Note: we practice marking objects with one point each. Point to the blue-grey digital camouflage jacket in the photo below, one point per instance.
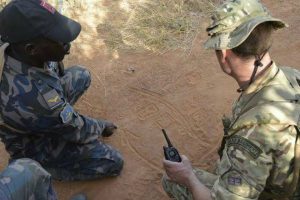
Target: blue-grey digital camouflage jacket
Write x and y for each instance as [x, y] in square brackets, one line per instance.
[38, 115]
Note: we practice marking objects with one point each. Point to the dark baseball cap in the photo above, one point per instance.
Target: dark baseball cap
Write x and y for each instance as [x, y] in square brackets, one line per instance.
[24, 20]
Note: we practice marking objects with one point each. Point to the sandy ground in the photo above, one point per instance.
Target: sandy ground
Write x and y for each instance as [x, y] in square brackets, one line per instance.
[143, 92]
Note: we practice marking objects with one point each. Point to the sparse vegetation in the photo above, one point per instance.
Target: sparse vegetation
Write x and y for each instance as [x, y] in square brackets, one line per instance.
[157, 26]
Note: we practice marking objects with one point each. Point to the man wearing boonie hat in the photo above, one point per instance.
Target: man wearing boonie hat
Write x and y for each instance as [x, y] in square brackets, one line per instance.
[38, 120]
[259, 154]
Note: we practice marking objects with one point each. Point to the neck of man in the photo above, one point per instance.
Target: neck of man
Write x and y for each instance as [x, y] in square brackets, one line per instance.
[245, 68]
[25, 59]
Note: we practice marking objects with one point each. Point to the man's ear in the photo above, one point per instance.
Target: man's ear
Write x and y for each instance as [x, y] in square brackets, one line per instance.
[222, 55]
[30, 49]
[226, 53]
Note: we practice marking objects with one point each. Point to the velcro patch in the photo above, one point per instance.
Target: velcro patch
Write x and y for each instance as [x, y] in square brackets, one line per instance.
[236, 181]
[52, 99]
[237, 141]
[66, 114]
[47, 6]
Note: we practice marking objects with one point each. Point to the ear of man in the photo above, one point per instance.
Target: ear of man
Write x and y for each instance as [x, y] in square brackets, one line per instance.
[31, 49]
[224, 60]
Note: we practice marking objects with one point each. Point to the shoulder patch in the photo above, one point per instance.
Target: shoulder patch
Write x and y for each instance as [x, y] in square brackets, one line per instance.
[52, 99]
[66, 114]
[252, 149]
[50, 95]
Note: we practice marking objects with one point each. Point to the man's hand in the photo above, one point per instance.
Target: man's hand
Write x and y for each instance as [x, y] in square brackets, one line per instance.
[61, 69]
[181, 173]
[109, 129]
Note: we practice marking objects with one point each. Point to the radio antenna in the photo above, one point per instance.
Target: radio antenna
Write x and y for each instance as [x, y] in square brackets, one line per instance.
[167, 138]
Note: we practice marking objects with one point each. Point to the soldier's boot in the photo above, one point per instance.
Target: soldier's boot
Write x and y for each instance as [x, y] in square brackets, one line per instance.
[80, 196]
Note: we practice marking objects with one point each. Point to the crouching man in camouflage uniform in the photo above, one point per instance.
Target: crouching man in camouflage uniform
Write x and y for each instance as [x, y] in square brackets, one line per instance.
[26, 179]
[37, 98]
[259, 155]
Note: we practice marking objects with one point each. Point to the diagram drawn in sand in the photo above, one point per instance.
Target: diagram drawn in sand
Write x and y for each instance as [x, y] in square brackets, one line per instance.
[153, 108]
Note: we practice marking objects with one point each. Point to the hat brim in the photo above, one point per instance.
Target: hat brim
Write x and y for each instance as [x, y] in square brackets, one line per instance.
[240, 34]
[64, 30]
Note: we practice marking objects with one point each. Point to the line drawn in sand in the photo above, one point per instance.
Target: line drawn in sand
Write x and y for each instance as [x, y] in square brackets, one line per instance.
[185, 122]
[132, 148]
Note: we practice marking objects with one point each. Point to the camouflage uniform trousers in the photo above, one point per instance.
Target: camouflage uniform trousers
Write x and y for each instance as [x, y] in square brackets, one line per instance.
[180, 192]
[26, 179]
[82, 161]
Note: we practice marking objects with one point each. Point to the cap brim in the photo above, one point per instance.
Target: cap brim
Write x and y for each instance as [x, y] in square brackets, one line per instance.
[240, 34]
[64, 30]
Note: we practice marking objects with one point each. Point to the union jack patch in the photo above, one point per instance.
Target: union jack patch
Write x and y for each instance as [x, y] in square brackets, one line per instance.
[234, 181]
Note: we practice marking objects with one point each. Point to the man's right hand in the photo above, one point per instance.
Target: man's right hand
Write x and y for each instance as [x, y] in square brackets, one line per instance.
[61, 68]
[109, 129]
[180, 172]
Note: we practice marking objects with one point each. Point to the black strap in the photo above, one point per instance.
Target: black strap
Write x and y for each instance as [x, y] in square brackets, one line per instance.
[257, 63]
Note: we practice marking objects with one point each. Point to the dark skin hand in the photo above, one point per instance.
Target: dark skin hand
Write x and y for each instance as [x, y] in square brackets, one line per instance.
[109, 129]
[61, 69]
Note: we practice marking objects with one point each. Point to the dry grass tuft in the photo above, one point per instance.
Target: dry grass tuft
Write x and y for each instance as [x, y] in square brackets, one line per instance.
[165, 25]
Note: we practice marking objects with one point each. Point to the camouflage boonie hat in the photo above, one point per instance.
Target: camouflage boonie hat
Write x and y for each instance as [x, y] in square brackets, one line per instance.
[233, 22]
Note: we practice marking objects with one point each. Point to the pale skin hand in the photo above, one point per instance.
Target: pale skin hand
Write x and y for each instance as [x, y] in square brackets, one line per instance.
[182, 173]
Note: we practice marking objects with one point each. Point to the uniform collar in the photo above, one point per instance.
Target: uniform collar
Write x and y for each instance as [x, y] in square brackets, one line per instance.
[262, 80]
[48, 76]
[15, 65]
[23, 68]
[254, 88]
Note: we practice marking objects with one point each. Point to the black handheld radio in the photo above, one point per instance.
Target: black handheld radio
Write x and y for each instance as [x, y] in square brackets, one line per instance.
[170, 152]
